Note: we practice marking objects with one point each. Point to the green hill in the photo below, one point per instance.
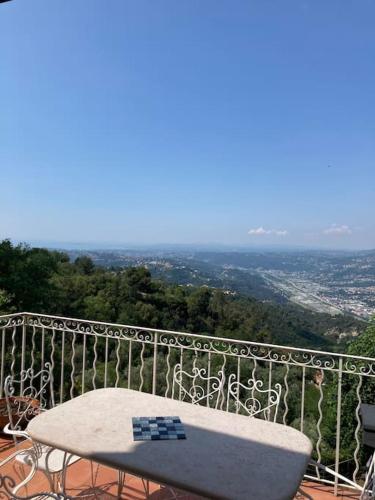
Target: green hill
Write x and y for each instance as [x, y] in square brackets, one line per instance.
[38, 280]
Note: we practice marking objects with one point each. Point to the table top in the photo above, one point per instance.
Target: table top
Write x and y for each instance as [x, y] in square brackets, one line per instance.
[224, 455]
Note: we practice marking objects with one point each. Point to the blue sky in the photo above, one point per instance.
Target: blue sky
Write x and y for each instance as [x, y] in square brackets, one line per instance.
[237, 122]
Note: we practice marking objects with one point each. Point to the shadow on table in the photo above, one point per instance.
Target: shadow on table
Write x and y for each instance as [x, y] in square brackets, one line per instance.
[238, 467]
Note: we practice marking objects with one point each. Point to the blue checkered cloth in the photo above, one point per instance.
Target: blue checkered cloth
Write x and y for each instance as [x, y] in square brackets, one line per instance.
[157, 428]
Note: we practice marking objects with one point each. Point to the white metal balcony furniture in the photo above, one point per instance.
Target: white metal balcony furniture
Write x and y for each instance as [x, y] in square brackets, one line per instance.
[88, 354]
[7, 486]
[197, 388]
[26, 398]
[222, 456]
[251, 399]
[368, 492]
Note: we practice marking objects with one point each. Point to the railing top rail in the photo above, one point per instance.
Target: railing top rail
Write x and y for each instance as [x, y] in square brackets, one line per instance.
[11, 315]
[193, 335]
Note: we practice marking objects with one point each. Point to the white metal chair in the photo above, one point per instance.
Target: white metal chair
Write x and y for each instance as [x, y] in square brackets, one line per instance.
[367, 413]
[258, 403]
[199, 388]
[368, 492]
[26, 397]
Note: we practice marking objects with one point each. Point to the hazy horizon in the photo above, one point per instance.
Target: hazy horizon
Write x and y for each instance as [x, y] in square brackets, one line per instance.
[211, 246]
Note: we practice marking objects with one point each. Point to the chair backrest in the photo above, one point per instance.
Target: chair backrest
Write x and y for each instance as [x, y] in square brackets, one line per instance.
[252, 400]
[198, 388]
[28, 395]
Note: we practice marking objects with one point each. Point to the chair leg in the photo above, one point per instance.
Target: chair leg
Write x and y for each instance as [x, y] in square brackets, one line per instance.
[305, 495]
[368, 491]
[121, 483]
[173, 494]
[146, 486]
[62, 475]
[26, 480]
[51, 481]
[93, 476]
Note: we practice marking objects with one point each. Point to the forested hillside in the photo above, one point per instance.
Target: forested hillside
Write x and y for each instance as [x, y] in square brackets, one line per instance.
[38, 280]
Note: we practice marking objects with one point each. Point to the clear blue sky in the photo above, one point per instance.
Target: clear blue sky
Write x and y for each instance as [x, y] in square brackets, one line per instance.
[188, 121]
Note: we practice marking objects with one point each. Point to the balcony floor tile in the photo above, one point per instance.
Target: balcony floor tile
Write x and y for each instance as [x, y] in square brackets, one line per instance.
[100, 483]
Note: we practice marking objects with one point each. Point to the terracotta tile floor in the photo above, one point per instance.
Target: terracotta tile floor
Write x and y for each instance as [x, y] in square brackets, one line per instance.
[100, 483]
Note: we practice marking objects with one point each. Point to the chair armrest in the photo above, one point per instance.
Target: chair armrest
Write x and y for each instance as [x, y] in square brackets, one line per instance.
[14, 455]
[12, 432]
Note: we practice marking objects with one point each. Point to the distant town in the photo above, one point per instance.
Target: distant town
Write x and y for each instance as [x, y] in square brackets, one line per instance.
[322, 281]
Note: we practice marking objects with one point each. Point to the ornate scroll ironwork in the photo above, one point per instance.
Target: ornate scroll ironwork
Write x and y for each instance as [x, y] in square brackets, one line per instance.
[195, 391]
[252, 405]
[8, 485]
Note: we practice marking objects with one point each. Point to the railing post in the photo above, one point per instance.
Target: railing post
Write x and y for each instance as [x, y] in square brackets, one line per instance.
[83, 364]
[13, 364]
[303, 398]
[106, 362]
[208, 379]
[181, 365]
[286, 393]
[269, 388]
[338, 426]
[62, 367]
[42, 348]
[130, 365]
[23, 349]
[73, 365]
[154, 366]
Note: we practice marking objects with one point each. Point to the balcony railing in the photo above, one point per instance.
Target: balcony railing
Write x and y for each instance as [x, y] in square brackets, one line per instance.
[321, 391]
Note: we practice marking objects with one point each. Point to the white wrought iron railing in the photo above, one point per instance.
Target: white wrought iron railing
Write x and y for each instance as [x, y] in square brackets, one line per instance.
[321, 391]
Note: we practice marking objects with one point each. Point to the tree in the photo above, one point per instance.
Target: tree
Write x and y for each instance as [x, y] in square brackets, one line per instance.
[5, 300]
[25, 276]
[84, 265]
